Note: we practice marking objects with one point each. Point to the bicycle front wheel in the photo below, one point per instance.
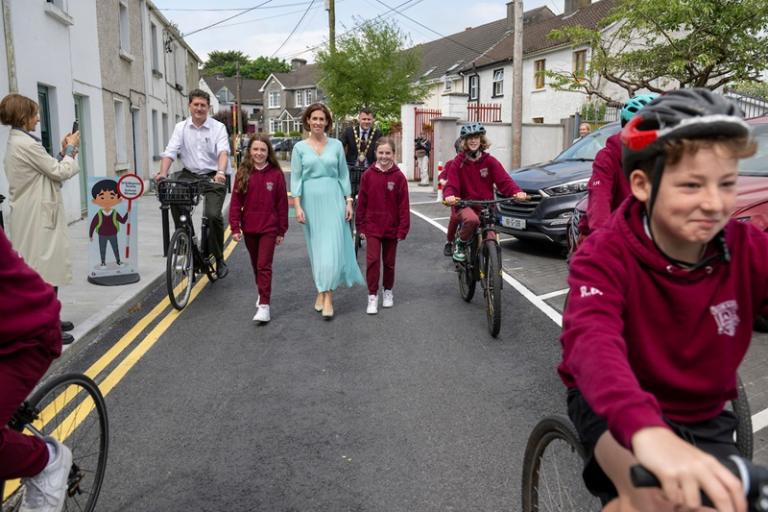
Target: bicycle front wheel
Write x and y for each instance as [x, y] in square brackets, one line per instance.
[552, 467]
[492, 285]
[179, 271]
[744, 436]
[71, 409]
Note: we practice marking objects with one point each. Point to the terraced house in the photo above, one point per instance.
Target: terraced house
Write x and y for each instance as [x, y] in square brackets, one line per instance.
[287, 94]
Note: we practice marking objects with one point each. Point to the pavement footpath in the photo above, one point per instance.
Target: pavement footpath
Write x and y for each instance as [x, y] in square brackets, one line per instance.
[91, 307]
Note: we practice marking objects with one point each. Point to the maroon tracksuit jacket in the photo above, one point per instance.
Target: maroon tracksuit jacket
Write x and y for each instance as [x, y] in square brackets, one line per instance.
[383, 216]
[608, 187]
[644, 338]
[261, 213]
[468, 179]
[30, 338]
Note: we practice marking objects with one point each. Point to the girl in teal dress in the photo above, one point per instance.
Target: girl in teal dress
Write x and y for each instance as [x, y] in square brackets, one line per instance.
[323, 204]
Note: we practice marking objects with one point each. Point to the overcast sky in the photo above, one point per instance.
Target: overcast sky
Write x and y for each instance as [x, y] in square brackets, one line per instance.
[265, 30]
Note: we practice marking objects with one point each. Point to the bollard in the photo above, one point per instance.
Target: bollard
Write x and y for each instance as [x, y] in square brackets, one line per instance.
[439, 185]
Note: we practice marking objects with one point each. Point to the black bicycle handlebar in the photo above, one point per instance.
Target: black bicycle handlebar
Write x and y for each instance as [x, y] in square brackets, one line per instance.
[754, 480]
[461, 203]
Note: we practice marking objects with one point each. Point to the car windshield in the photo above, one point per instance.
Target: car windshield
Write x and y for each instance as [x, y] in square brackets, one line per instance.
[586, 148]
[758, 164]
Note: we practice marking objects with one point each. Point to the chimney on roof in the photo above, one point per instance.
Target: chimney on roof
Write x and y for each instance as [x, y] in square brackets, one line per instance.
[297, 63]
[511, 13]
[575, 5]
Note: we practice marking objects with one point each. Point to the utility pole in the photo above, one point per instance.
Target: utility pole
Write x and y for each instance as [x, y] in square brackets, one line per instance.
[517, 85]
[330, 7]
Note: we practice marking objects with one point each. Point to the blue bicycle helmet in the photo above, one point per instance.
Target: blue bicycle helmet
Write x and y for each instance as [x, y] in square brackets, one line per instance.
[470, 129]
[634, 105]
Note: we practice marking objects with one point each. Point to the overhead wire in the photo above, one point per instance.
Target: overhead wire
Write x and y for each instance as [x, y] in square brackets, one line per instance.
[294, 28]
[229, 18]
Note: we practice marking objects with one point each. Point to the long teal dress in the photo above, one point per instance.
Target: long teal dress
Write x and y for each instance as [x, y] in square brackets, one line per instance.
[322, 182]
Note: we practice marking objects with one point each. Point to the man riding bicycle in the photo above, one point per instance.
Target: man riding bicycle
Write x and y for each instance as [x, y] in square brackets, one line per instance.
[472, 175]
[30, 339]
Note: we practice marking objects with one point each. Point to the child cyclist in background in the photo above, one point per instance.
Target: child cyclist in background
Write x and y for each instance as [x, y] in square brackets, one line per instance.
[472, 176]
[442, 178]
[382, 219]
[259, 213]
[660, 311]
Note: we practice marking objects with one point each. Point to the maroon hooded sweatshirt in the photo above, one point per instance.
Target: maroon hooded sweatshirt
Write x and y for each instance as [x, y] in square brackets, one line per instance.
[469, 179]
[263, 208]
[643, 338]
[383, 209]
[608, 187]
[29, 309]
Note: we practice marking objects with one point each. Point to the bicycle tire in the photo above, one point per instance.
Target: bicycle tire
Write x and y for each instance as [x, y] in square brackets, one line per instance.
[67, 415]
[567, 492]
[492, 285]
[179, 269]
[744, 435]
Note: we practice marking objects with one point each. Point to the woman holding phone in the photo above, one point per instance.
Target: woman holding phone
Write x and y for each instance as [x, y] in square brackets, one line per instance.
[37, 225]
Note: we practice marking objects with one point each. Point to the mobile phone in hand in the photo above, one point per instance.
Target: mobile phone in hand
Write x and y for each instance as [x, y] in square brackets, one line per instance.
[75, 126]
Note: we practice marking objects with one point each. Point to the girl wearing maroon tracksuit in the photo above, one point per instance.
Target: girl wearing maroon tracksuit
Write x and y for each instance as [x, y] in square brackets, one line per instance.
[382, 218]
[472, 175]
[259, 213]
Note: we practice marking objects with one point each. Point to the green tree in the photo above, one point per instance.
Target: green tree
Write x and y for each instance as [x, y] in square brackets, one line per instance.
[225, 62]
[659, 44]
[370, 68]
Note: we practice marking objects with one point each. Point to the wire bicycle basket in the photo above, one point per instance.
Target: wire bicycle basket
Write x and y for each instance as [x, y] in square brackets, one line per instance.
[178, 193]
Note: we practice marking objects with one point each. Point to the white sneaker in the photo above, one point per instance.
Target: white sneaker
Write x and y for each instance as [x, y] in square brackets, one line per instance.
[258, 298]
[373, 305]
[388, 300]
[262, 314]
[47, 491]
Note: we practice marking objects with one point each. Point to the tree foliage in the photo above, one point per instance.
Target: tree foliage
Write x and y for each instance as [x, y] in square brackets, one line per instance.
[225, 62]
[659, 44]
[370, 68]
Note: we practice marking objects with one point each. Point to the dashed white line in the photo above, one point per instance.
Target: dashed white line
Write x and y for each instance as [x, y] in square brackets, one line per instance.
[759, 420]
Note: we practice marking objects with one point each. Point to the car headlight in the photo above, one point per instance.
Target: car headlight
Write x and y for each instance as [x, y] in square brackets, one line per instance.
[572, 187]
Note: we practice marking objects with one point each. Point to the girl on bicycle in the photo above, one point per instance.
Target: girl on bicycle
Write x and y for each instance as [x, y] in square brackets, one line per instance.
[472, 176]
[259, 214]
[382, 219]
[30, 339]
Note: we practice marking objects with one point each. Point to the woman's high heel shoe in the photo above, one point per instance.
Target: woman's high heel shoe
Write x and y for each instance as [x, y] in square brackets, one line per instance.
[319, 302]
[327, 312]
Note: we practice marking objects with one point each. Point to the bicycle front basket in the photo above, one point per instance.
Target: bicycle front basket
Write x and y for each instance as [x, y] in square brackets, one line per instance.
[181, 193]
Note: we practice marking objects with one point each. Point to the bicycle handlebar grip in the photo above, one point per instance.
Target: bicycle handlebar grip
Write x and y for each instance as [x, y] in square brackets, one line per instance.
[641, 477]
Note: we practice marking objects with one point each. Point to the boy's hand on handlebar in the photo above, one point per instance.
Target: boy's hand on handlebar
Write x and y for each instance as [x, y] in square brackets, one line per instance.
[451, 200]
[685, 471]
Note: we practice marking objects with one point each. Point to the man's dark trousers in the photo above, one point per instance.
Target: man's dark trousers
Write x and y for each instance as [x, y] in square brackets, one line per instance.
[214, 194]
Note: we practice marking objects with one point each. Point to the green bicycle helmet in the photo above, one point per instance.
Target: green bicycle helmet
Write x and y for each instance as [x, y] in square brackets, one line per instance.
[634, 105]
[470, 129]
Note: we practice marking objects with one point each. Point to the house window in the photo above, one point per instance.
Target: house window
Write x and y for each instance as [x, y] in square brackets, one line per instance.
[43, 100]
[120, 145]
[272, 125]
[538, 120]
[539, 68]
[297, 126]
[299, 97]
[308, 97]
[447, 84]
[125, 38]
[155, 50]
[474, 87]
[580, 64]
[274, 99]
[155, 135]
[498, 83]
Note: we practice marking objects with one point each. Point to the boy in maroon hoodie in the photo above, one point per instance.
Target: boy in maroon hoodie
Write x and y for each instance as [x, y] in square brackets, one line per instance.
[259, 213]
[30, 338]
[661, 308]
[382, 218]
[472, 176]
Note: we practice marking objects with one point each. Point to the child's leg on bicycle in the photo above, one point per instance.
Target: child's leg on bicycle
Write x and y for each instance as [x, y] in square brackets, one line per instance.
[389, 254]
[469, 222]
[452, 224]
[21, 455]
[373, 246]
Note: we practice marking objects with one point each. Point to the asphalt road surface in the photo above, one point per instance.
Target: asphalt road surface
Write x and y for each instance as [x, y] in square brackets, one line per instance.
[414, 409]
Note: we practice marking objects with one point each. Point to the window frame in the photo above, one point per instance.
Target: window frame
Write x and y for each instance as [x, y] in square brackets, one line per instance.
[539, 68]
[580, 64]
[476, 80]
[124, 28]
[276, 96]
[497, 90]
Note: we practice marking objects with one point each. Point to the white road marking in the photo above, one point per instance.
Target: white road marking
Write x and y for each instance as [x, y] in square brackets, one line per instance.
[425, 202]
[554, 294]
[759, 420]
[441, 218]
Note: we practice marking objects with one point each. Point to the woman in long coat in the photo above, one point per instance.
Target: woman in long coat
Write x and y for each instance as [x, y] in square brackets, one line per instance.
[37, 224]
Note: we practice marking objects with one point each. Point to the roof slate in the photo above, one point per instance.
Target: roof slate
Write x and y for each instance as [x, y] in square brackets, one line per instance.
[304, 76]
[438, 56]
[249, 89]
[535, 36]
